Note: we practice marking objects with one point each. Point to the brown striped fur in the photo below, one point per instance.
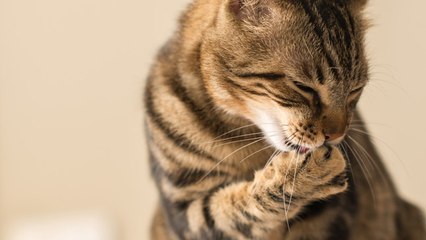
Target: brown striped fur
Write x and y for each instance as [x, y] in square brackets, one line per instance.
[246, 110]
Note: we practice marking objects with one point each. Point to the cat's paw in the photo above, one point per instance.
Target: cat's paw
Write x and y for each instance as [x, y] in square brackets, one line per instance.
[315, 175]
[296, 179]
[322, 173]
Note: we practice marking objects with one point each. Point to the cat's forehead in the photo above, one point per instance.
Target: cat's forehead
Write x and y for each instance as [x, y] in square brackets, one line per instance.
[323, 36]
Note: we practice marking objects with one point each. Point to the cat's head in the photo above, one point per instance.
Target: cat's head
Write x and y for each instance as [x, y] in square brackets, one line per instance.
[296, 68]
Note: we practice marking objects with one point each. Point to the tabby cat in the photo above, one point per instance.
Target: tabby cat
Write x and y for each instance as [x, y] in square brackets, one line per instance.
[253, 131]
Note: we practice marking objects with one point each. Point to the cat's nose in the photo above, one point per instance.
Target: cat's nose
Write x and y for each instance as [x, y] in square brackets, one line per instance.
[334, 128]
[334, 137]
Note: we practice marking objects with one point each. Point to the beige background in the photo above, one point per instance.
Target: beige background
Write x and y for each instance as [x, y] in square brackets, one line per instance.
[71, 75]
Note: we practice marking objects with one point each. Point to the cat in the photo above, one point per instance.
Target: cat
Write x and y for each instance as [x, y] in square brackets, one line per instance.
[253, 131]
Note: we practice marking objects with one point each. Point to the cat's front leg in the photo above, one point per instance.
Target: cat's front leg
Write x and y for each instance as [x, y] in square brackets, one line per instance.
[251, 210]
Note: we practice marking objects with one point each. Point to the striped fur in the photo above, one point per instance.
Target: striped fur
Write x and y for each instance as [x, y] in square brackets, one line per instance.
[245, 109]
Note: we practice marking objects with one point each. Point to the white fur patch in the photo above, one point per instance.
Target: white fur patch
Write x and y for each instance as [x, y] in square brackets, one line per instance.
[273, 129]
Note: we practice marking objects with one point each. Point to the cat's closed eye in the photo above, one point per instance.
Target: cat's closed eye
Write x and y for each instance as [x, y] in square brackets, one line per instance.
[302, 87]
[270, 76]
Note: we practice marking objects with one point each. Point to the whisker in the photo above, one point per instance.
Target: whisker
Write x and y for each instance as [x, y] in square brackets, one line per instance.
[279, 151]
[362, 124]
[219, 138]
[287, 209]
[343, 149]
[233, 137]
[358, 157]
[245, 158]
[269, 161]
[229, 155]
[274, 154]
[234, 130]
[370, 159]
[364, 170]
[238, 141]
[374, 138]
[295, 171]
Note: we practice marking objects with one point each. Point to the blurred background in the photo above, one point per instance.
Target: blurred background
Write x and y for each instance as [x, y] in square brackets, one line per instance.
[72, 154]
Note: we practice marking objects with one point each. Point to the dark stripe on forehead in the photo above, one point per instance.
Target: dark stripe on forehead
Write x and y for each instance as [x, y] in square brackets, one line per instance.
[357, 49]
[306, 69]
[330, 15]
[313, 19]
[320, 75]
[338, 33]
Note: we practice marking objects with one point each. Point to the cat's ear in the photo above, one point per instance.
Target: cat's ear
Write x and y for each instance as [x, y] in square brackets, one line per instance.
[250, 11]
[357, 5]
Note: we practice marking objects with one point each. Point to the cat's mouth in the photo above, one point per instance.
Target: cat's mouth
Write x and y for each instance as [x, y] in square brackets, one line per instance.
[298, 148]
[302, 150]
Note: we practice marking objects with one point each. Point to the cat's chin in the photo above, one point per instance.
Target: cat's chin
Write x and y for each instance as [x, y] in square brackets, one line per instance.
[293, 148]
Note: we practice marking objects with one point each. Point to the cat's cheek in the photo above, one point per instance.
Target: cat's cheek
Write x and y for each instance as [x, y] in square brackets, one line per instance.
[225, 100]
[274, 129]
[217, 91]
